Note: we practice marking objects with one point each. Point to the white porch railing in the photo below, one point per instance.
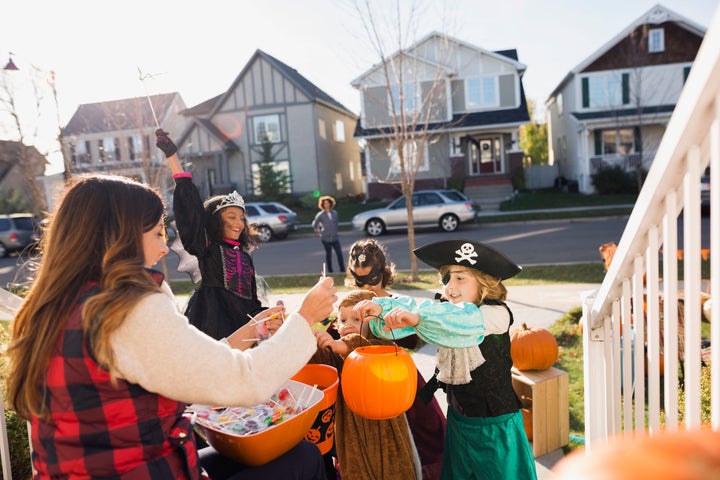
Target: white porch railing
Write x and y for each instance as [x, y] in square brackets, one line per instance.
[625, 389]
[628, 162]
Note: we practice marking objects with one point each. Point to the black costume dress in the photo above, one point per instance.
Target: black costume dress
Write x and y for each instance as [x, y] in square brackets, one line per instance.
[227, 295]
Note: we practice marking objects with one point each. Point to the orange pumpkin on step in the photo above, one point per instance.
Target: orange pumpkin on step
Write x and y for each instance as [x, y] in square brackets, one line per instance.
[532, 348]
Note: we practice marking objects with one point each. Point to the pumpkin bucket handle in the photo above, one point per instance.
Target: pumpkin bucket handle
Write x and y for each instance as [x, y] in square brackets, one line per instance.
[394, 342]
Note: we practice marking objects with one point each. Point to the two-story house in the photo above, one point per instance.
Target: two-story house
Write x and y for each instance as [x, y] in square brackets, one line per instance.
[117, 137]
[310, 132]
[468, 103]
[612, 109]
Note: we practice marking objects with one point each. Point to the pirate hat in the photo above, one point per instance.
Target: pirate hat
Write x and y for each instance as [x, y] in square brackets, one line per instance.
[468, 254]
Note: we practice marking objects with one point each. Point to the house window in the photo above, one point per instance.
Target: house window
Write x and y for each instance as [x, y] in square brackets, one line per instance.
[481, 92]
[339, 131]
[616, 141]
[81, 152]
[406, 97]
[101, 151]
[411, 158]
[321, 129]
[559, 103]
[606, 90]
[135, 147]
[267, 126]
[656, 40]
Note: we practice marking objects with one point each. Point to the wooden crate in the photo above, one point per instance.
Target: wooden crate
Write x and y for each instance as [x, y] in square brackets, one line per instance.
[546, 392]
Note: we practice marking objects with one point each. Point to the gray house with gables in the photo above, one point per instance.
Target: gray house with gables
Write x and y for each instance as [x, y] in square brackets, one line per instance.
[311, 134]
[475, 104]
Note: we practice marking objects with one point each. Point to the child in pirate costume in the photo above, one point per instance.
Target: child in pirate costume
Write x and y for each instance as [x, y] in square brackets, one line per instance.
[216, 232]
[485, 436]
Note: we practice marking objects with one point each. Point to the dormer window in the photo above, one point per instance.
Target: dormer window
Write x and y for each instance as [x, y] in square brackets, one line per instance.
[656, 40]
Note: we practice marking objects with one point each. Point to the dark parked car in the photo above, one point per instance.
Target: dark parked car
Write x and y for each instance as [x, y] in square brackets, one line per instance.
[18, 232]
[445, 209]
[271, 219]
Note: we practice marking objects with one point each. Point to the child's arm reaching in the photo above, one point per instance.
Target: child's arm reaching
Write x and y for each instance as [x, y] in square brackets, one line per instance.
[324, 341]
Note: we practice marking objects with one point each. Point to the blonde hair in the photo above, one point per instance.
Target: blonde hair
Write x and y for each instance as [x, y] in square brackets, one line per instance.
[96, 235]
[355, 297]
[489, 287]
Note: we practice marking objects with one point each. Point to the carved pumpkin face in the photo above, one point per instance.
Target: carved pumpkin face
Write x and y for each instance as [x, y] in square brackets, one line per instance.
[379, 381]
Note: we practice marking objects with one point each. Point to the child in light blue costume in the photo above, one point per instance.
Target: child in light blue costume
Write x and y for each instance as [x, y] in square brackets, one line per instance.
[470, 325]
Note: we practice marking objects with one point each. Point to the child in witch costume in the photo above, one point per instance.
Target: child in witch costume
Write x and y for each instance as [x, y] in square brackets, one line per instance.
[216, 232]
[485, 436]
[366, 449]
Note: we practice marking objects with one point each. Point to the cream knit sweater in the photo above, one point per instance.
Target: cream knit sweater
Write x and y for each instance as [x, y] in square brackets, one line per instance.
[158, 349]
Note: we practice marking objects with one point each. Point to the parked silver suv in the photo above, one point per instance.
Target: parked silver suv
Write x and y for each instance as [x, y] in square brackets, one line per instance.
[271, 219]
[18, 231]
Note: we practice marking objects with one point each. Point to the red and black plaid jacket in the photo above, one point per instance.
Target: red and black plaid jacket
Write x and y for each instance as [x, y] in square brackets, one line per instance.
[97, 429]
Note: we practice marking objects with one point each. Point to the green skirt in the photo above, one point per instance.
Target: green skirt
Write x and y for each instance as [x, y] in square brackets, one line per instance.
[493, 448]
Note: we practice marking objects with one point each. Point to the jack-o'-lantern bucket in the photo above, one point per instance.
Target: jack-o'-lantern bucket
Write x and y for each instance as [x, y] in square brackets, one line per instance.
[322, 432]
[379, 381]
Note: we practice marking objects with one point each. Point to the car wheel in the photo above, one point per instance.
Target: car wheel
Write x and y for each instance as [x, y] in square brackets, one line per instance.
[449, 222]
[3, 251]
[264, 233]
[375, 227]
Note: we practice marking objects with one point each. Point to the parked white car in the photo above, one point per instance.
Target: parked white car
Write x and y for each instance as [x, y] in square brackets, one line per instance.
[271, 219]
[445, 209]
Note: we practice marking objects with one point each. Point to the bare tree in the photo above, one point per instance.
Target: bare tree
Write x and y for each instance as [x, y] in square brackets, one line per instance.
[23, 99]
[412, 112]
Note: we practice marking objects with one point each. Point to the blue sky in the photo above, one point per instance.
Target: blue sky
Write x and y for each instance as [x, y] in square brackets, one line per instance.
[198, 48]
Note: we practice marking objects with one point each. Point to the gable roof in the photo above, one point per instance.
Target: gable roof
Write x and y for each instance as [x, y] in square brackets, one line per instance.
[463, 121]
[309, 89]
[655, 16]
[206, 124]
[509, 56]
[125, 114]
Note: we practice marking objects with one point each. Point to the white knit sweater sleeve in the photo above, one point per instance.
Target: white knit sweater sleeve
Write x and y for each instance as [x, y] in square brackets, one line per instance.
[158, 349]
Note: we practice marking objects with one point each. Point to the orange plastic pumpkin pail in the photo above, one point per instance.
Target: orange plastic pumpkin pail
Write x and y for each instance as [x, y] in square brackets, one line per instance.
[379, 381]
[322, 432]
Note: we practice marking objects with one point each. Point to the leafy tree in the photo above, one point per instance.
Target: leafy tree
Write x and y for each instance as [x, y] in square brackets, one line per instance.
[534, 140]
[270, 182]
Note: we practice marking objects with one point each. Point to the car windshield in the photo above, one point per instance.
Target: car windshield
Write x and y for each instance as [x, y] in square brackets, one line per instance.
[398, 203]
[251, 211]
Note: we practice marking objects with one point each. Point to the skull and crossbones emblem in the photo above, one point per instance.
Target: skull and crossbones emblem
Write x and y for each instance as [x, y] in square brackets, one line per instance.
[466, 252]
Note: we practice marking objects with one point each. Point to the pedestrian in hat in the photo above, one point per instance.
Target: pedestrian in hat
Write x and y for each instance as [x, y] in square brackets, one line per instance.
[470, 324]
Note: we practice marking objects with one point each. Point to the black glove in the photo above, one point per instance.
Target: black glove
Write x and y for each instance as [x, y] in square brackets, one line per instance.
[164, 143]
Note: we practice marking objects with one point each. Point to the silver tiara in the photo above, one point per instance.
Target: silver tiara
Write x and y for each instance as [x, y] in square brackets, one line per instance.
[230, 200]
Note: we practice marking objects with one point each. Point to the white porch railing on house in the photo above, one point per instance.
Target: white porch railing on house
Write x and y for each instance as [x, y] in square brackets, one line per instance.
[628, 162]
[625, 389]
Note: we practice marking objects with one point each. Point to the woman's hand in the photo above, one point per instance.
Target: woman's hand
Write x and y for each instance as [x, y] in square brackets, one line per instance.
[318, 303]
[259, 327]
[367, 310]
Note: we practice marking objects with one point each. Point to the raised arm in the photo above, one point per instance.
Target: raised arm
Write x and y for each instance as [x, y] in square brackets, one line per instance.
[163, 142]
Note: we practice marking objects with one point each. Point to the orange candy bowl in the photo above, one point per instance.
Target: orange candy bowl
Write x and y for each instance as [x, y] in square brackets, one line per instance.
[322, 432]
[254, 449]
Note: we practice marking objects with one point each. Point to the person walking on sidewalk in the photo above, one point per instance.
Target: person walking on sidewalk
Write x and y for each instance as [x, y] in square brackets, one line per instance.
[326, 224]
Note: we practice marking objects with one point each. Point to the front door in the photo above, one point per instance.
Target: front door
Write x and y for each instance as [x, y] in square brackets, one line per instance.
[486, 156]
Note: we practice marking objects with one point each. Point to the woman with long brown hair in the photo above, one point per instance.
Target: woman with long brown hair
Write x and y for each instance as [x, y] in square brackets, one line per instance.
[103, 365]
